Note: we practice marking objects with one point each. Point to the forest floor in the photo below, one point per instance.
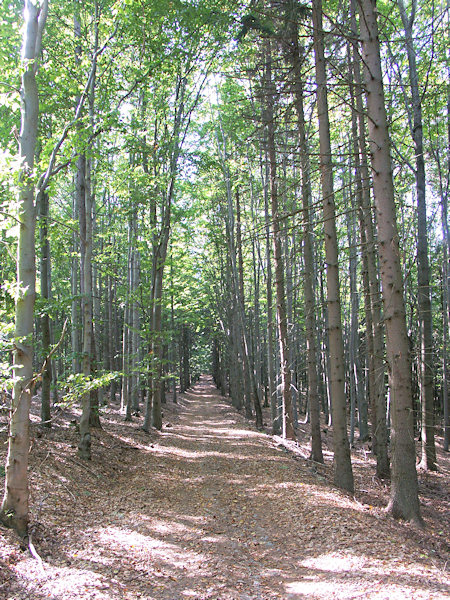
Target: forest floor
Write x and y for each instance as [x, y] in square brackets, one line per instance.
[210, 508]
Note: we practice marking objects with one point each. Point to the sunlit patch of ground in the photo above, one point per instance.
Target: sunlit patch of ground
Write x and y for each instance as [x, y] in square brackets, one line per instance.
[347, 575]
[211, 509]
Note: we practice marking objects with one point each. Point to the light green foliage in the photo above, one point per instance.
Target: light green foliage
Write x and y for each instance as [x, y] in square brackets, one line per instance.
[149, 52]
[76, 385]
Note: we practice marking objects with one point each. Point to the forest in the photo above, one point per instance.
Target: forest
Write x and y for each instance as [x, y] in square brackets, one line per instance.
[224, 299]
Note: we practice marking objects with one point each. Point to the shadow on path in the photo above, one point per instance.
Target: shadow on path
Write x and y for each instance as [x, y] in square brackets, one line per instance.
[212, 509]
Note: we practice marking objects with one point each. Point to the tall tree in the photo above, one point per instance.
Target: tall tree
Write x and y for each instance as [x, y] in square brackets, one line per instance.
[295, 55]
[404, 501]
[86, 219]
[343, 475]
[288, 429]
[423, 266]
[14, 508]
[372, 293]
[45, 318]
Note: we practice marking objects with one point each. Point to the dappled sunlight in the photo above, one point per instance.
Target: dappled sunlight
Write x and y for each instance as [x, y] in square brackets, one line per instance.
[207, 509]
[82, 583]
[334, 563]
[272, 490]
[149, 548]
[314, 588]
[353, 574]
[232, 434]
[199, 454]
[172, 526]
[174, 523]
[204, 426]
[131, 442]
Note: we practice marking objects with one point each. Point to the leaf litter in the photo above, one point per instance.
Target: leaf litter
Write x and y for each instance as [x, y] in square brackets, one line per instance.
[211, 509]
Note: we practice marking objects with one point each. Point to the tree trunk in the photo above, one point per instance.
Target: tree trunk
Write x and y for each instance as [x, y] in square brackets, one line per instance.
[404, 501]
[445, 279]
[135, 332]
[276, 428]
[423, 267]
[446, 272]
[445, 310]
[14, 508]
[45, 319]
[157, 343]
[75, 301]
[84, 445]
[343, 475]
[238, 317]
[374, 324]
[295, 58]
[241, 301]
[288, 430]
[353, 342]
[126, 334]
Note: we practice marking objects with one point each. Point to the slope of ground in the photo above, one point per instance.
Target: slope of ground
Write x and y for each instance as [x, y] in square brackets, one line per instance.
[212, 509]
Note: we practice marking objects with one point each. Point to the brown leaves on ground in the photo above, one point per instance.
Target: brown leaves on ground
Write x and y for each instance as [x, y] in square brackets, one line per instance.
[212, 509]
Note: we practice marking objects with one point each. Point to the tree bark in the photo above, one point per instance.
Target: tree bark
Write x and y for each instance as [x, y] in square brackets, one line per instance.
[343, 475]
[84, 445]
[404, 501]
[75, 301]
[428, 460]
[14, 508]
[86, 234]
[240, 298]
[271, 378]
[288, 430]
[295, 59]
[373, 307]
[45, 319]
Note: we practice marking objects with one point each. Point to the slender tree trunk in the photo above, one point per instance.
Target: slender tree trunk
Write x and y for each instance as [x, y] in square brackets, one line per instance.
[157, 344]
[404, 501]
[276, 428]
[295, 58]
[238, 316]
[84, 445]
[374, 325]
[288, 430]
[134, 333]
[446, 267]
[86, 233]
[343, 475]
[45, 319]
[423, 267]
[113, 328]
[241, 301]
[95, 394]
[324, 346]
[185, 368]
[75, 301]
[444, 188]
[446, 320]
[14, 508]
[173, 340]
[126, 334]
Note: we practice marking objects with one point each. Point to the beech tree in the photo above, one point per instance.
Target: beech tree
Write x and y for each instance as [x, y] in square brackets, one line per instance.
[14, 508]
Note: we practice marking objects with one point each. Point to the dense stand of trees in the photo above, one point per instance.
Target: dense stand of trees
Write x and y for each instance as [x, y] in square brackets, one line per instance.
[256, 190]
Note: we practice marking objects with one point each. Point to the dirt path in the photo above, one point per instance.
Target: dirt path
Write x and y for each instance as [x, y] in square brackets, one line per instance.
[211, 509]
